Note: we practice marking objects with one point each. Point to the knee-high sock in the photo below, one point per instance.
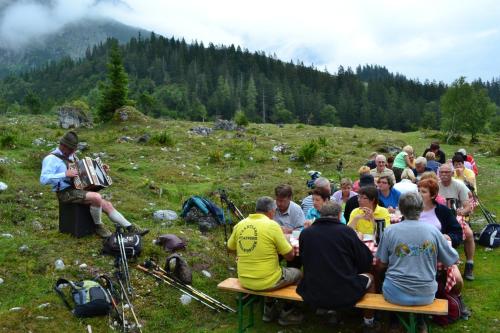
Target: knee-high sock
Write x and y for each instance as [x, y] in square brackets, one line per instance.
[96, 212]
[118, 218]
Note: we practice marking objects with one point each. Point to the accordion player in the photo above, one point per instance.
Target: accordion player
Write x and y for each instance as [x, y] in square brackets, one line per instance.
[91, 176]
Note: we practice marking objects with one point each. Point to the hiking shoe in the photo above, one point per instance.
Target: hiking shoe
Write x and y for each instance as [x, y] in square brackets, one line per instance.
[332, 319]
[102, 231]
[292, 316]
[373, 328]
[133, 229]
[468, 274]
[270, 312]
[464, 309]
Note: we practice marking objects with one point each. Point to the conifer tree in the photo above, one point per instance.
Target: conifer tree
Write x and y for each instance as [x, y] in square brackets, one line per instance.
[114, 94]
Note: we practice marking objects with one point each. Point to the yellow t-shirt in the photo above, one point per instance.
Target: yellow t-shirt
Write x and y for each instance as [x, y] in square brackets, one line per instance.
[258, 240]
[366, 227]
[469, 176]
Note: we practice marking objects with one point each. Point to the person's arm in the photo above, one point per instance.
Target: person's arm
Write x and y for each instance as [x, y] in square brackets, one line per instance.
[466, 208]
[449, 224]
[49, 174]
[231, 243]
[282, 245]
[446, 254]
[289, 256]
[362, 255]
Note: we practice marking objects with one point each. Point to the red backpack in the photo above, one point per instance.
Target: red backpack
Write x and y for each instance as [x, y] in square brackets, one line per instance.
[454, 306]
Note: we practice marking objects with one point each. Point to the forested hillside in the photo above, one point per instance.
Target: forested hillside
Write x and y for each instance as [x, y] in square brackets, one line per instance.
[173, 79]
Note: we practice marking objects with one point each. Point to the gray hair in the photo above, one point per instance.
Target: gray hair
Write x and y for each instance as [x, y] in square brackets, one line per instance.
[321, 182]
[421, 160]
[411, 205]
[265, 205]
[381, 158]
[330, 209]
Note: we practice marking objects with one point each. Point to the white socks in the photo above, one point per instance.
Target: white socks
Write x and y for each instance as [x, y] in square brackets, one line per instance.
[96, 213]
[118, 218]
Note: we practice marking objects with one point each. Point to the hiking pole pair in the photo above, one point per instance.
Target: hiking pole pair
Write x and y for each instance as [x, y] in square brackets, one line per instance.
[177, 286]
[131, 307]
[122, 260]
[151, 264]
[487, 214]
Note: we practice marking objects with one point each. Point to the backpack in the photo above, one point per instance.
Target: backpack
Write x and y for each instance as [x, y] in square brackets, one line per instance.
[205, 206]
[89, 297]
[490, 235]
[181, 270]
[454, 306]
[132, 244]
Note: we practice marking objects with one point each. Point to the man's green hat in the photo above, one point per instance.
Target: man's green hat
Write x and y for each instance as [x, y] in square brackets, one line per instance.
[70, 140]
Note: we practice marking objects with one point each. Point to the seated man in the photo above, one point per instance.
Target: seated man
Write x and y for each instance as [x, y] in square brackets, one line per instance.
[258, 242]
[336, 264]
[387, 194]
[420, 167]
[410, 250]
[289, 215]
[457, 194]
[382, 169]
[55, 172]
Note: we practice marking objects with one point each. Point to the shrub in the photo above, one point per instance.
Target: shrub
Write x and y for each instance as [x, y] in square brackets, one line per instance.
[241, 119]
[8, 140]
[215, 156]
[322, 141]
[308, 151]
[164, 139]
[299, 126]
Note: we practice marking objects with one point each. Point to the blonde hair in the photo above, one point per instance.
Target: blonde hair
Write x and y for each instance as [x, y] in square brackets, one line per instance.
[408, 174]
[408, 149]
[364, 170]
[430, 156]
[345, 181]
[429, 175]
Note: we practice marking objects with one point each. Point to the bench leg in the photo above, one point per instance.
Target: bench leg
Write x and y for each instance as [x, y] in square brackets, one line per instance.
[242, 303]
[411, 324]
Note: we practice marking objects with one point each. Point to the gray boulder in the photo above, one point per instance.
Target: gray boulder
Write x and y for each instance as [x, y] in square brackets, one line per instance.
[226, 125]
[71, 117]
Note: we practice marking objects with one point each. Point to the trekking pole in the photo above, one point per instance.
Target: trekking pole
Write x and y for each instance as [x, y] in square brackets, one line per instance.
[199, 293]
[124, 293]
[176, 286]
[487, 214]
[123, 259]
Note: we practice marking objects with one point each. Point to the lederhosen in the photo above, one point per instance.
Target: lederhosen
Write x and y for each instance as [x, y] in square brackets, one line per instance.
[70, 194]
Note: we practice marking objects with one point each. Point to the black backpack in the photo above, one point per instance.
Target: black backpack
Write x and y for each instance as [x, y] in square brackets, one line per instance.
[131, 242]
[89, 297]
[490, 235]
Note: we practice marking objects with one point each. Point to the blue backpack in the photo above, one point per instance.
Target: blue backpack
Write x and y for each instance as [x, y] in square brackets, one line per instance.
[205, 206]
[490, 235]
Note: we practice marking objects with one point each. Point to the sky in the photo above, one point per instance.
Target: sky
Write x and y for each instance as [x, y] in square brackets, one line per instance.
[434, 40]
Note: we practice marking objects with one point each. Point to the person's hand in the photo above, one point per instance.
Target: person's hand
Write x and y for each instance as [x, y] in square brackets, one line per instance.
[460, 172]
[286, 230]
[391, 210]
[71, 173]
[368, 213]
[307, 223]
[360, 235]
[106, 168]
[447, 237]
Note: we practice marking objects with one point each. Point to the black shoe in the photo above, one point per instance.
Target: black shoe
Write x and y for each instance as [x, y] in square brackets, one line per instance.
[133, 229]
[468, 271]
[271, 312]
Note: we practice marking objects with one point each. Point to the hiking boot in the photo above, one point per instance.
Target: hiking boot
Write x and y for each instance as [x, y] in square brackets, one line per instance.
[133, 229]
[270, 312]
[373, 328]
[102, 231]
[468, 274]
[292, 316]
[464, 309]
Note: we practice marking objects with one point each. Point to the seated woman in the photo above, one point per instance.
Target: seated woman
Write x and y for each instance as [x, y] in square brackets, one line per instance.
[362, 219]
[345, 192]
[403, 160]
[320, 196]
[410, 250]
[387, 194]
[407, 183]
[364, 170]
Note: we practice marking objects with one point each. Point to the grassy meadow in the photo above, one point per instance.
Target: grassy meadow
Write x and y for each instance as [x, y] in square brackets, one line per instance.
[161, 174]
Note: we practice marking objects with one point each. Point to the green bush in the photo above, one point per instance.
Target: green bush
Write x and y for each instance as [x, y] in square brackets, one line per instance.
[241, 119]
[8, 141]
[322, 141]
[215, 156]
[308, 151]
[164, 139]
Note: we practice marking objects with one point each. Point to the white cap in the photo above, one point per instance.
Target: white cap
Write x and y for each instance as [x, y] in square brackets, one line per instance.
[462, 151]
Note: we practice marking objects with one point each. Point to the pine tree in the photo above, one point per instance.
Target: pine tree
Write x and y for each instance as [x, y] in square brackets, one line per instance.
[251, 99]
[115, 91]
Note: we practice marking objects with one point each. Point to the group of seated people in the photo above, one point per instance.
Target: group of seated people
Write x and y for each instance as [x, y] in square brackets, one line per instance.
[339, 257]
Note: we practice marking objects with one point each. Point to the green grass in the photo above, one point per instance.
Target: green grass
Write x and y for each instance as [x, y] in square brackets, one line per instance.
[161, 175]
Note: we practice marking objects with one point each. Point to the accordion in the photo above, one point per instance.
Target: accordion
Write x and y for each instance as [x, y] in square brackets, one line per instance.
[91, 175]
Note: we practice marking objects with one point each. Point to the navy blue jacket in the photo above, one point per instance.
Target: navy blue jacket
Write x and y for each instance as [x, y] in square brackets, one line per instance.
[449, 224]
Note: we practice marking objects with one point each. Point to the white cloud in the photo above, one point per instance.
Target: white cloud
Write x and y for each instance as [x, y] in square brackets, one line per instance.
[426, 39]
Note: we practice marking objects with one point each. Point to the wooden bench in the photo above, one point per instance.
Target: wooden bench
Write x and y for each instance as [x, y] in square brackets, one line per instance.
[369, 301]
